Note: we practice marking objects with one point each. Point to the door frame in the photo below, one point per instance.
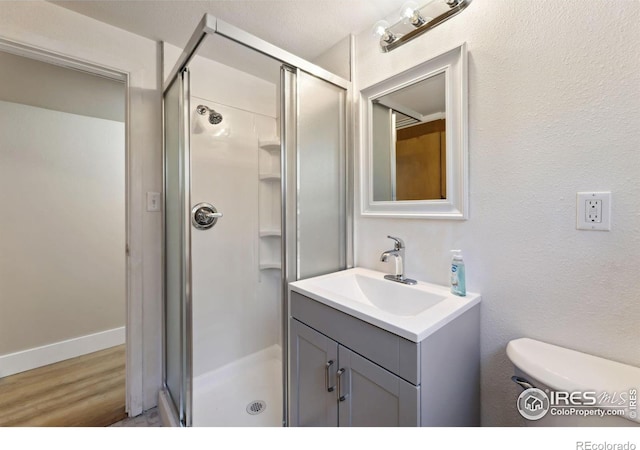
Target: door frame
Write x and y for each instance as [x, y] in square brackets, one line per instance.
[133, 219]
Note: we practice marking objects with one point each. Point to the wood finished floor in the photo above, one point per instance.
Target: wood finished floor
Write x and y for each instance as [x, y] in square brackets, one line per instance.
[87, 391]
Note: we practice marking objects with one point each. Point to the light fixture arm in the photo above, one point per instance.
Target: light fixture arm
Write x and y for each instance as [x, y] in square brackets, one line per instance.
[388, 37]
[417, 20]
[411, 13]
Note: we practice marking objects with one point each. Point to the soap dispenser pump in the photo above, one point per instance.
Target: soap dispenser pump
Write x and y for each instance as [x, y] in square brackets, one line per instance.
[458, 284]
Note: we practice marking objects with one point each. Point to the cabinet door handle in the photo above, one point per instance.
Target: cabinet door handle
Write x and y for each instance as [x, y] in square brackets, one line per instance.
[327, 366]
[342, 396]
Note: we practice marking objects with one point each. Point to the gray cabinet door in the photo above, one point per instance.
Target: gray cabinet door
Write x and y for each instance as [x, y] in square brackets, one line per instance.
[371, 396]
[311, 403]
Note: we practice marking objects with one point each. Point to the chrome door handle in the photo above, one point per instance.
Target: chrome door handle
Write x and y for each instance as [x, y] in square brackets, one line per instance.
[327, 366]
[342, 397]
[204, 216]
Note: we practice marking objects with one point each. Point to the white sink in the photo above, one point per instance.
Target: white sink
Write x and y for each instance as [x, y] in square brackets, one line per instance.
[413, 312]
[374, 291]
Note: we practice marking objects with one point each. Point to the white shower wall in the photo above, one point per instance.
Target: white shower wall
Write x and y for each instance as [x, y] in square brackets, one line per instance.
[236, 306]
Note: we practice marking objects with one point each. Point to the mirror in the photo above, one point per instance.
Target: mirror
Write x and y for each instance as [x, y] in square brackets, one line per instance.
[414, 161]
[409, 142]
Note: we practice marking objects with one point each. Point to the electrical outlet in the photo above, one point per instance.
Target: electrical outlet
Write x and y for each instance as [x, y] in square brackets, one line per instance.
[593, 211]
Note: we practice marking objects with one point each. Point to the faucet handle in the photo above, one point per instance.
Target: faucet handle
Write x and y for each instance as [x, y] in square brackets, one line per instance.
[399, 242]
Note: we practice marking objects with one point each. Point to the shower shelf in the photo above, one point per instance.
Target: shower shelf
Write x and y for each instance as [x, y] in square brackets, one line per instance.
[267, 266]
[270, 145]
[269, 233]
[269, 176]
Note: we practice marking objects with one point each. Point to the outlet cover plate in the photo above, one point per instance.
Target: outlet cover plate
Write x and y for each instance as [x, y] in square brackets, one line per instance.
[585, 219]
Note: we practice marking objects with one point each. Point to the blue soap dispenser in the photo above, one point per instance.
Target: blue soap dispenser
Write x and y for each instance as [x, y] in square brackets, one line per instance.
[458, 284]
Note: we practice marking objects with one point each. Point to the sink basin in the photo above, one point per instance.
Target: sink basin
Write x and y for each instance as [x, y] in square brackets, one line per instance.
[412, 312]
[389, 296]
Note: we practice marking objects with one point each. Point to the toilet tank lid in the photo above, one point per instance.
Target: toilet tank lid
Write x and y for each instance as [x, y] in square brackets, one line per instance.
[568, 370]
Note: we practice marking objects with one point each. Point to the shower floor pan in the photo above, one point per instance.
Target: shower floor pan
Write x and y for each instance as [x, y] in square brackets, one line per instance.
[246, 393]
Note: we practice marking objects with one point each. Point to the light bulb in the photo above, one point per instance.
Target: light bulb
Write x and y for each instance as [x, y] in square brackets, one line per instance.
[411, 14]
[381, 30]
[408, 10]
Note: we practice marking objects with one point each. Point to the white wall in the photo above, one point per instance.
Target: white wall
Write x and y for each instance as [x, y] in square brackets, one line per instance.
[62, 278]
[554, 108]
[62, 264]
[337, 58]
[46, 26]
[36, 83]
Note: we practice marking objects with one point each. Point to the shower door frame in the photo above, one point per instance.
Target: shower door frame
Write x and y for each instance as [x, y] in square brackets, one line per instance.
[210, 25]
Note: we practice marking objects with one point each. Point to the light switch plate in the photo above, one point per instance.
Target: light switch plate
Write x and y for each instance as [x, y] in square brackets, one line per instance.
[153, 201]
[593, 211]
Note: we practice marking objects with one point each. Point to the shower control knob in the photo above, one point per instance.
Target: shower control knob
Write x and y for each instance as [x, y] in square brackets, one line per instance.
[204, 216]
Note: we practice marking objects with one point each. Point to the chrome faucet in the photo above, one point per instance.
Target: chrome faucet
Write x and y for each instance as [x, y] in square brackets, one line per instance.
[398, 254]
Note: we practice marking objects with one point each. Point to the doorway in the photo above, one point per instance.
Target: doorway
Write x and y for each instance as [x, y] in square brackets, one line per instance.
[63, 267]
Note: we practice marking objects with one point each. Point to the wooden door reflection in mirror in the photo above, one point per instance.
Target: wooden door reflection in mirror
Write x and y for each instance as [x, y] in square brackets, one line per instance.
[421, 167]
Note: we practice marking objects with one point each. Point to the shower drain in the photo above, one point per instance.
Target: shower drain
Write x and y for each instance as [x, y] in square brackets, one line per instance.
[256, 407]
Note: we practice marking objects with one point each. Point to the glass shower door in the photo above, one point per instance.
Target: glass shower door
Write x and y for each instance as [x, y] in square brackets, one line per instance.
[236, 263]
[321, 180]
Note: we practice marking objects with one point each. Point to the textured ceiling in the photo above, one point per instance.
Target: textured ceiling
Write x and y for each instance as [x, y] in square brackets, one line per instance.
[304, 27]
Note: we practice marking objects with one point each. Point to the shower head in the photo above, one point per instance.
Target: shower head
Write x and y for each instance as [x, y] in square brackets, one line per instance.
[214, 117]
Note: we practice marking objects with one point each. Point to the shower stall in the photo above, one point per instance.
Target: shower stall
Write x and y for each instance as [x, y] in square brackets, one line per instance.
[256, 195]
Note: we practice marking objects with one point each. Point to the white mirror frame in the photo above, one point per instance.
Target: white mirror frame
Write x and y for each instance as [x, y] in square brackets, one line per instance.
[456, 206]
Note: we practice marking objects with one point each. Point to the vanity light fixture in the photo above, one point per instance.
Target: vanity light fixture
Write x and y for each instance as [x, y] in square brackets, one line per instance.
[415, 20]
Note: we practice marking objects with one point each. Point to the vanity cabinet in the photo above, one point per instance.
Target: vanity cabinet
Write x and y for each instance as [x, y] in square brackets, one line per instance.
[347, 372]
[313, 361]
[336, 387]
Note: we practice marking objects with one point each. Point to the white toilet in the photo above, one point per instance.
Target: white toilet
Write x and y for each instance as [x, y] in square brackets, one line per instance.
[592, 380]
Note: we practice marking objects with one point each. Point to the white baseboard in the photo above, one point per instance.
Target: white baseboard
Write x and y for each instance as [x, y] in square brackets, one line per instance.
[59, 351]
